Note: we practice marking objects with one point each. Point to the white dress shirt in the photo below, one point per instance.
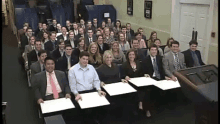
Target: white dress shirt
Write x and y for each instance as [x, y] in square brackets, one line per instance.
[72, 43]
[81, 79]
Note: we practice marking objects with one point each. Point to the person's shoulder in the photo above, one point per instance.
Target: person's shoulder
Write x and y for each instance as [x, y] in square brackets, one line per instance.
[40, 74]
[34, 64]
[74, 67]
[167, 54]
[59, 72]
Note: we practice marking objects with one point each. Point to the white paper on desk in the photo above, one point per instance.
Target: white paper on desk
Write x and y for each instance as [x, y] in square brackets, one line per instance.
[90, 100]
[142, 81]
[118, 88]
[167, 84]
[56, 105]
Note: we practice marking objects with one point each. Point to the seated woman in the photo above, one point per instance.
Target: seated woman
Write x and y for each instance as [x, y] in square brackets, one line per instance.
[118, 55]
[167, 48]
[132, 68]
[95, 58]
[45, 38]
[108, 72]
[80, 47]
[123, 44]
[153, 36]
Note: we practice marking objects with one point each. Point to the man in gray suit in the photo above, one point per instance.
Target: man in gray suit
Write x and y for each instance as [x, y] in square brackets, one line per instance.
[50, 84]
[173, 60]
[39, 65]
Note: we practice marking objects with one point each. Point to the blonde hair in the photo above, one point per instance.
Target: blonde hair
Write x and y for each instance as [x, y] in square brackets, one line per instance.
[97, 54]
[106, 53]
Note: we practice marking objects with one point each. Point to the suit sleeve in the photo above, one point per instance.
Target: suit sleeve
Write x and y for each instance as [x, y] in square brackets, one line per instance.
[36, 87]
[184, 64]
[166, 66]
[200, 58]
[33, 72]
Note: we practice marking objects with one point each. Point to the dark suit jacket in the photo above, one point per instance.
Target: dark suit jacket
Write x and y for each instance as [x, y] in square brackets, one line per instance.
[78, 36]
[141, 54]
[61, 37]
[75, 43]
[71, 28]
[35, 68]
[128, 71]
[189, 59]
[105, 47]
[148, 66]
[56, 54]
[24, 42]
[87, 39]
[39, 83]
[132, 33]
[49, 45]
[36, 31]
[52, 28]
[61, 63]
[20, 33]
[32, 57]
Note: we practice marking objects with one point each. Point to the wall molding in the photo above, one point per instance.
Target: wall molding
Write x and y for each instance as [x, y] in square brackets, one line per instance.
[155, 29]
[213, 44]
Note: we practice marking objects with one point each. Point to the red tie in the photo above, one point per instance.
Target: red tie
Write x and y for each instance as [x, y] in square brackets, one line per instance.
[55, 93]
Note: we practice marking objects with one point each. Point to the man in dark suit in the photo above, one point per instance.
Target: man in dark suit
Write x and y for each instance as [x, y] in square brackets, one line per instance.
[80, 34]
[58, 52]
[64, 35]
[130, 32]
[141, 53]
[102, 46]
[127, 36]
[65, 62]
[68, 25]
[50, 84]
[153, 65]
[39, 65]
[22, 31]
[90, 37]
[53, 27]
[142, 33]
[32, 56]
[52, 43]
[192, 55]
[44, 29]
[95, 23]
[75, 29]
[39, 28]
[71, 40]
[58, 29]
[25, 39]
[89, 26]
[173, 61]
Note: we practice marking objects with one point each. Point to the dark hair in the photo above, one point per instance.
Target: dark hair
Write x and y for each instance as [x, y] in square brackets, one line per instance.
[193, 42]
[99, 36]
[168, 41]
[153, 45]
[52, 32]
[157, 39]
[133, 40]
[67, 45]
[29, 28]
[37, 41]
[49, 58]
[123, 26]
[131, 50]
[61, 41]
[89, 21]
[54, 19]
[174, 42]
[63, 27]
[89, 29]
[136, 33]
[83, 53]
[41, 52]
[43, 39]
[119, 22]
[128, 24]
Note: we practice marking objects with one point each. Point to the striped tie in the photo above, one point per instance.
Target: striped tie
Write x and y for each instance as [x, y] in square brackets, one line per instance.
[177, 64]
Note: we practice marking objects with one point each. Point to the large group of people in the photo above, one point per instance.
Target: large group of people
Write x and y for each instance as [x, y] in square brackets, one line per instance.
[66, 60]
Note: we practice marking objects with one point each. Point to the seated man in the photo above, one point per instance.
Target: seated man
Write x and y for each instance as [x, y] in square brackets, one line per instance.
[52, 43]
[32, 56]
[173, 60]
[59, 52]
[84, 78]
[72, 41]
[65, 62]
[141, 53]
[50, 84]
[39, 65]
[64, 35]
[102, 46]
[192, 55]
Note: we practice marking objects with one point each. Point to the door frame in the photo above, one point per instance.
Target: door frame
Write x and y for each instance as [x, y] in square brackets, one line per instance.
[175, 20]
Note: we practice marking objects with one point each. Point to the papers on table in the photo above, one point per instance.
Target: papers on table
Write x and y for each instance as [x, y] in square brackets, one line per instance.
[118, 88]
[56, 105]
[167, 84]
[142, 81]
[90, 100]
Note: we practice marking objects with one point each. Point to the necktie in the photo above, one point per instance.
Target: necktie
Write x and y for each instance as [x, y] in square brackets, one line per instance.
[32, 47]
[68, 63]
[90, 40]
[156, 69]
[61, 53]
[43, 68]
[54, 89]
[176, 64]
[195, 58]
[53, 44]
[72, 44]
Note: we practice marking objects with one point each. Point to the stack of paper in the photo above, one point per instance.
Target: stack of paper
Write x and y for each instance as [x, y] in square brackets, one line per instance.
[143, 81]
[56, 105]
[118, 88]
[90, 100]
[167, 84]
